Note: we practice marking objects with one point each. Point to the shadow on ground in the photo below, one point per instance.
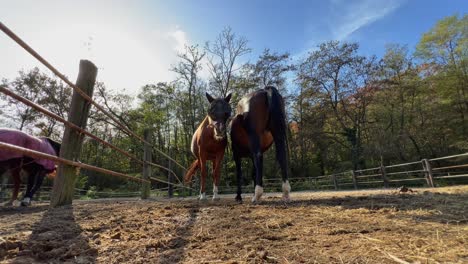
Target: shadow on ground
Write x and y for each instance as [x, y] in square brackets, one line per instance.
[56, 238]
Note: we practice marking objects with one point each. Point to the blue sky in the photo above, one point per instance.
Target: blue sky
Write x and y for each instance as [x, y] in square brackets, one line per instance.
[296, 26]
[135, 42]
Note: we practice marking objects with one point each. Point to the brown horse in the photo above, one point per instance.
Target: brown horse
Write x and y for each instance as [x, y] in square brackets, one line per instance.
[260, 120]
[15, 162]
[209, 142]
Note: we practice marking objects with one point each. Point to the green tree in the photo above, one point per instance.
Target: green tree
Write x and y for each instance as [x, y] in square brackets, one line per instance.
[446, 44]
[345, 82]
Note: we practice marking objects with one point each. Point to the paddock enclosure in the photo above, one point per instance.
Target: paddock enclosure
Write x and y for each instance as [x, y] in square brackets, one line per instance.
[375, 226]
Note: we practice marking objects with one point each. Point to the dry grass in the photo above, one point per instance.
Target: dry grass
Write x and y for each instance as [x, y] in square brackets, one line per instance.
[383, 226]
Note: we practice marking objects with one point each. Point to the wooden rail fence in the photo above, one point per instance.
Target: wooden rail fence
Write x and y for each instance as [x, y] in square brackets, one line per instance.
[63, 190]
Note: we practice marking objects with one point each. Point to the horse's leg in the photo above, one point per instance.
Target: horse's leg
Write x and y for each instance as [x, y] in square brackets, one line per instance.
[258, 178]
[203, 176]
[237, 160]
[282, 158]
[3, 181]
[37, 182]
[32, 176]
[15, 174]
[253, 172]
[216, 174]
[257, 155]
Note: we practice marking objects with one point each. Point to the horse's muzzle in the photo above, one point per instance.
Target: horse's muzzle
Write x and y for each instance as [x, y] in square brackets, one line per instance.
[219, 135]
[219, 129]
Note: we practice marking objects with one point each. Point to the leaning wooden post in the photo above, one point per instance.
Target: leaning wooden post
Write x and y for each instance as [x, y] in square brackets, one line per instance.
[384, 175]
[64, 183]
[145, 188]
[353, 174]
[428, 171]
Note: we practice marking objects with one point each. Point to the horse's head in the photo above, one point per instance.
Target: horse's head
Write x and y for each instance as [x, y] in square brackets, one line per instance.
[55, 145]
[218, 113]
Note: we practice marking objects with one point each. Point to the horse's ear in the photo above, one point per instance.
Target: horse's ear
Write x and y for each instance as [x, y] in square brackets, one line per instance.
[228, 98]
[209, 97]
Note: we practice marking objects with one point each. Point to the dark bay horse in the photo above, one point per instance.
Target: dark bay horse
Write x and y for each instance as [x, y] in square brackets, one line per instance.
[209, 142]
[14, 162]
[260, 120]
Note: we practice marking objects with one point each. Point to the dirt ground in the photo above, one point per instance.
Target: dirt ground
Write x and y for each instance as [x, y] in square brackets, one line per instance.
[380, 226]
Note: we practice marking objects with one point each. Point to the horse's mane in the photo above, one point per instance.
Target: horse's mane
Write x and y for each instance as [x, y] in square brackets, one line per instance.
[204, 123]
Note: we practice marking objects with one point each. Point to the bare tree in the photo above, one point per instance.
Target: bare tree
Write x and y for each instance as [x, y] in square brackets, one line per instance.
[224, 51]
[187, 70]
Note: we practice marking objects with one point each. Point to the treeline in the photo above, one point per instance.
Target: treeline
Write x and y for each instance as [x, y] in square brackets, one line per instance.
[345, 111]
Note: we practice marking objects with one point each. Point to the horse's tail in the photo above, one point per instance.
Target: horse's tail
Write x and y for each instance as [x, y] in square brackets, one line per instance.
[277, 125]
[191, 171]
[277, 111]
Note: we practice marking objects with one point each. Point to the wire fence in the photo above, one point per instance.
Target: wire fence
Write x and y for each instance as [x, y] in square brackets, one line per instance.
[80, 130]
[429, 172]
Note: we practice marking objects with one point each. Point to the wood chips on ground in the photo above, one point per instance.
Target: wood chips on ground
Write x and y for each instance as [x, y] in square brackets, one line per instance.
[379, 226]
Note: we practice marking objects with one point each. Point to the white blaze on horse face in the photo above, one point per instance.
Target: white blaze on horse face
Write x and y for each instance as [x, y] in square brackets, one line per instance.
[217, 135]
[286, 190]
[258, 193]
[215, 192]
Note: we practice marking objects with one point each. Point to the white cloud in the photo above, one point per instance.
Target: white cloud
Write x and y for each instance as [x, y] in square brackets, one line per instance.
[128, 51]
[180, 38]
[345, 18]
[349, 16]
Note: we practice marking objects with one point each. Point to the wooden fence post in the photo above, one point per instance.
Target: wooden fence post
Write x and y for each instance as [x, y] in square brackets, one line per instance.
[64, 183]
[335, 181]
[170, 187]
[146, 186]
[353, 174]
[428, 171]
[384, 175]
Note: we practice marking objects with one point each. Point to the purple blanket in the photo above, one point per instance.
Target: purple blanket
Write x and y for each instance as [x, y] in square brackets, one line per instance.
[21, 139]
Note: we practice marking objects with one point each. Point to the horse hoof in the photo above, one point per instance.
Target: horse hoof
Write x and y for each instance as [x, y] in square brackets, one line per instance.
[202, 197]
[239, 199]
[286, 190]
[258, 194]
[216, 198]
[254, 201]
[26, 201]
